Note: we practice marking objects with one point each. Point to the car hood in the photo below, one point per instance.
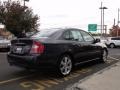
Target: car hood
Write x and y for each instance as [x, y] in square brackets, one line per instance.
[101, 44]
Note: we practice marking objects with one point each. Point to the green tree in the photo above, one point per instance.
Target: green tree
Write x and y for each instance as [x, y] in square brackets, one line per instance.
[18, 18]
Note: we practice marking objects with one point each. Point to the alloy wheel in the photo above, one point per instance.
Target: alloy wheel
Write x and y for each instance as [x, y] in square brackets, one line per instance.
[65, 65]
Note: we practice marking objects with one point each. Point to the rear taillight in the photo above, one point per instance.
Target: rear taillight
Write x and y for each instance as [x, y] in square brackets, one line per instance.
[37, 48]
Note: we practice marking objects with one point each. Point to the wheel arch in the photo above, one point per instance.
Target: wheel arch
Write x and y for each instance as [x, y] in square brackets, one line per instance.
[66, 53]
[113, 44]
[106, 50]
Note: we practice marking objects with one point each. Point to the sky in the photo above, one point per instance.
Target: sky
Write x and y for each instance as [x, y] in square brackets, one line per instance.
[73, 13]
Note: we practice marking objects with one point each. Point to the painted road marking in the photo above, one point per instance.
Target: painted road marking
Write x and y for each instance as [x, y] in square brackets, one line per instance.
[14, 79]
[30, 84]
[113, 58]
[71, 76]
[19, 78]
[43, 84]
[109, 61]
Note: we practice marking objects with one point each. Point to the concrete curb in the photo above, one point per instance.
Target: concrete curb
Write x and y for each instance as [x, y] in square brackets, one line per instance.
[75, 86]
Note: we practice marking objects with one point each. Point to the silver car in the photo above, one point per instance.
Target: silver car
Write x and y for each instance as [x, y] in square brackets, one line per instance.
[113, 42]
[4, 43]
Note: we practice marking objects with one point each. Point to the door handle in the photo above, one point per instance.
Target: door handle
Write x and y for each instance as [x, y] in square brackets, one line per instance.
[76, 45]
[79, 45]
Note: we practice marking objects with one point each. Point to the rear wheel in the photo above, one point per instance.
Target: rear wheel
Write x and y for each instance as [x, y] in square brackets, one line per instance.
[112, 45]
[65, 65]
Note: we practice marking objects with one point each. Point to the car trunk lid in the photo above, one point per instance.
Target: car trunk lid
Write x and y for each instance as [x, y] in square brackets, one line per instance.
[21, 46]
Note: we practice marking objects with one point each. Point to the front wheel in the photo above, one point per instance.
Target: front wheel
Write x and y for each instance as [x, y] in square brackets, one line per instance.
[104, 56]
[65, 65]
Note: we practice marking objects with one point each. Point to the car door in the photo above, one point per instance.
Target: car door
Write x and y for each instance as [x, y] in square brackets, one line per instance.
[75, 39]
[92, 51]
[116, 41]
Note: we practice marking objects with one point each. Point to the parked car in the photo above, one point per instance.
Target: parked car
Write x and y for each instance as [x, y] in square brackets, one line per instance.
[113, 42]
[58, 48]
[4, 43]
[29, 34]
[102, 39]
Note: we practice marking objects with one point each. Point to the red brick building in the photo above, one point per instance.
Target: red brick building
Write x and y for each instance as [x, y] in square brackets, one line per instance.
[115, 31]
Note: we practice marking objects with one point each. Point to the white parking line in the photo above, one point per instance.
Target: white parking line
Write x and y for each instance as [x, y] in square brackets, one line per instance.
[113, 58]
[14, 79]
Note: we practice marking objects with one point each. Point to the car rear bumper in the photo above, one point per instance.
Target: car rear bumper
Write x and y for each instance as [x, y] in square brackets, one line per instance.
[4, 46]
[30, 61]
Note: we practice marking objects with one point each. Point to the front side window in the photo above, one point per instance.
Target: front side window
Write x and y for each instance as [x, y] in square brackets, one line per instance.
[76, 35]
[87, 37]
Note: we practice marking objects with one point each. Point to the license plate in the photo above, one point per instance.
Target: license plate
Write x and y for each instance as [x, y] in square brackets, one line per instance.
[18, 50]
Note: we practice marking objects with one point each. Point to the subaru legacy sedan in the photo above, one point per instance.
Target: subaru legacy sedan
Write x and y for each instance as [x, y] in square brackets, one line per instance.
[60, 49]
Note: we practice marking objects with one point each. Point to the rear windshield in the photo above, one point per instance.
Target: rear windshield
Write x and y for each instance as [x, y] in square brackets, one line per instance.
[44, 33]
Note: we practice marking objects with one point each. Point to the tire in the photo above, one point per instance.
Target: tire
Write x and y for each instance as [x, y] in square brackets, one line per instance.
[112, 45]
[104, 56]
[65, 65]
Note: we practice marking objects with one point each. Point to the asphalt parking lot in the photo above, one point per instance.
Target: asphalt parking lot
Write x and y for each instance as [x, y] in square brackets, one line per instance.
[13, 78]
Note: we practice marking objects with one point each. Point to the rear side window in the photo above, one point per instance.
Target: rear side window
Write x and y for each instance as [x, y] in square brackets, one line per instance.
[66, 35]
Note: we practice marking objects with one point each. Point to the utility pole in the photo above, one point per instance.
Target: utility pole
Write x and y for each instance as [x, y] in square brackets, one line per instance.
[114, 22]
[102, 19]
[104, 26]
[118, 23]
[25, 1]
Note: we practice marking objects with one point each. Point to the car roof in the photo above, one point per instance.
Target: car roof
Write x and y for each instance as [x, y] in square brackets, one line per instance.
[57, 29]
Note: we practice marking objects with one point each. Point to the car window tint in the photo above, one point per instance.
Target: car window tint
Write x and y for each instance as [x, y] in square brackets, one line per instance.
[66, 35]
[44, 33]
[119, 38]
[115, 38]
[76, 35]
[87, 37]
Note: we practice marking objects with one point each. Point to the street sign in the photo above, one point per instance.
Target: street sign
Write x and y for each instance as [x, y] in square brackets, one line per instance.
[92, 27]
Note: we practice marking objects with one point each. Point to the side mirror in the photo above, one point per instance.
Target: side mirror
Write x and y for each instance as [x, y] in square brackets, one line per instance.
[97, 40]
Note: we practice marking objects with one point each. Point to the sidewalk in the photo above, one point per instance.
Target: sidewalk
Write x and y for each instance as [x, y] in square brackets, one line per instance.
[108, 79]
